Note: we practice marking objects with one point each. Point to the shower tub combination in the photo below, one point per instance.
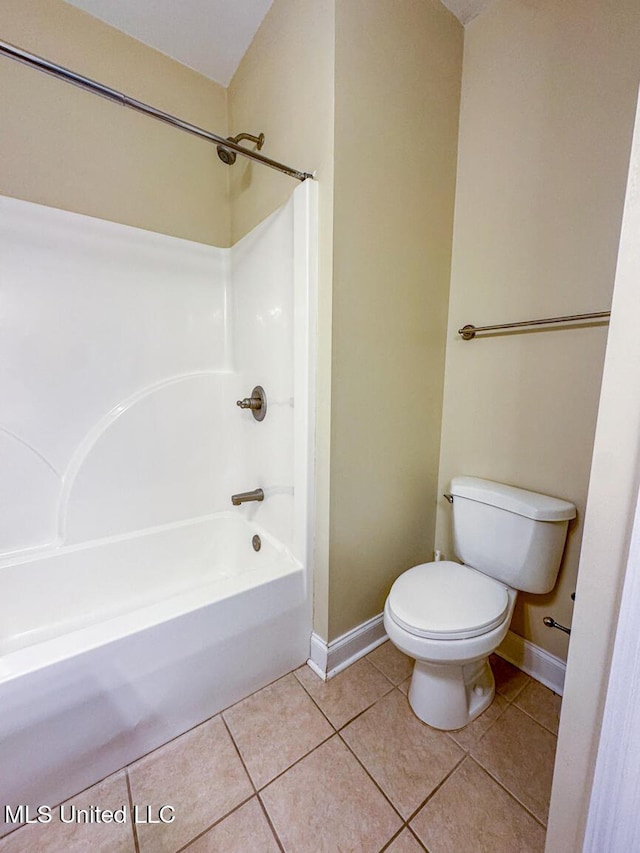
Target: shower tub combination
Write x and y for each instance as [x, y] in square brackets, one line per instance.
[136, 600]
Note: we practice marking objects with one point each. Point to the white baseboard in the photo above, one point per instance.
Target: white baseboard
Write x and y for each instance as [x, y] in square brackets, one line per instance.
[328, 659]
[536, 662]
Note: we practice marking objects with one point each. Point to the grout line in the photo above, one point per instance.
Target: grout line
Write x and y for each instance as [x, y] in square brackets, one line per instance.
[436, 789]
[264, 686]
[355, 716]
[316, 704]
[392, 839]
[136, 842]
[373, 663]
[381, 671]
[377, 668]
[536, 720]
[239, 754]
[516, 694]
[418, 840]
[405, 828]
[236, 807]
[533, 719]
[57, 805]
[364, 710]
[480, 737]
[215, 823]
[297, 761]
[270, 822]
[385, 795]
[302, 757]
[511, 794]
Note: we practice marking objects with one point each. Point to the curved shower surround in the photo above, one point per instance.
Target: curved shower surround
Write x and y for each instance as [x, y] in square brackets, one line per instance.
[132, 603]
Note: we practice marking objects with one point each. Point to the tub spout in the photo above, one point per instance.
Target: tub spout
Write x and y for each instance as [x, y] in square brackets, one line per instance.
[243, 497]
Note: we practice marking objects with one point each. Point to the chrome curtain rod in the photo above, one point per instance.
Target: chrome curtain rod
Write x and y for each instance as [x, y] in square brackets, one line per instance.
[62, 73]
[469, 332]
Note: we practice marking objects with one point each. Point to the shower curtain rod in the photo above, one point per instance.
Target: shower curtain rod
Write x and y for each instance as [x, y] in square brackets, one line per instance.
[62, 73]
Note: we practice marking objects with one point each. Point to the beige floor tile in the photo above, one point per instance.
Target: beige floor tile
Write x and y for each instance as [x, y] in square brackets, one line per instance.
[472, 733]
[405, 686]
[471, 813]
[509, 679]
[58, 836]
[391, 662]
[244, 831]
[327, 803]
[405, 843]
[349, 693]
[540, 703]
[200, 774]
[520, 753]
[275, 727]
[407, 758]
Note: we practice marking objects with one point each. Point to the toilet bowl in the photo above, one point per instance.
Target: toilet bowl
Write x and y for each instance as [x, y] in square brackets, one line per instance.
[451, 616]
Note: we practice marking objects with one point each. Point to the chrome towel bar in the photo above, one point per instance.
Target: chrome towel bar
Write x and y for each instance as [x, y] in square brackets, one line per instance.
[469, 332]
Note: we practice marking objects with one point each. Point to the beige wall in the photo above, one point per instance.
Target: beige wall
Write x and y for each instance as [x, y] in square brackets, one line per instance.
[284, 88]
[545, 128]
[613, 490]
[398, 68]
[69, 149]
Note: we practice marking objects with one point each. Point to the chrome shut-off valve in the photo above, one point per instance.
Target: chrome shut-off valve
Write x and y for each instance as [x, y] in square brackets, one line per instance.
[257, 402]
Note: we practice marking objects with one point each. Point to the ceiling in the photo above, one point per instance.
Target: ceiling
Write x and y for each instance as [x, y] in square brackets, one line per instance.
[466, 10]
[210, 36]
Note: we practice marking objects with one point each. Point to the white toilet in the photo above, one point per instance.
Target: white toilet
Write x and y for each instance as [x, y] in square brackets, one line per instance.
[451, 617]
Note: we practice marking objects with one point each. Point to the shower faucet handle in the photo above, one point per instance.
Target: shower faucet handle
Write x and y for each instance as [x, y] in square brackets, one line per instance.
[250, 403]
[257, 403]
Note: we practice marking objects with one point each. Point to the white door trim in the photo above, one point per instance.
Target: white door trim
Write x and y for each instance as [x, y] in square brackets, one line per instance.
[613, 821]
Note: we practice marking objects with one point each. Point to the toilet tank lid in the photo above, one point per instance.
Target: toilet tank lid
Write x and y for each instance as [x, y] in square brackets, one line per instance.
[520, 501]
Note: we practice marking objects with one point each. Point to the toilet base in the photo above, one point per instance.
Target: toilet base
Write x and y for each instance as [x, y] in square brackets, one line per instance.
[450, 696]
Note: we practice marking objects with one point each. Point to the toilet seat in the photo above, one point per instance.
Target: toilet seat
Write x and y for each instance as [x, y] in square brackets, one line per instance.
[447, 601]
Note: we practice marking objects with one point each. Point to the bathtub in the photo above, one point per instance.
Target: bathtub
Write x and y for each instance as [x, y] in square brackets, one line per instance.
[110, 649]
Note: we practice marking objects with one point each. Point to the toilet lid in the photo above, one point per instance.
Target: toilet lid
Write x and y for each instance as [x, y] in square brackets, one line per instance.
[445, 600]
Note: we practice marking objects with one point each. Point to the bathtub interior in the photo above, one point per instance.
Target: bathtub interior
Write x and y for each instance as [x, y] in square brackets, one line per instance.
[150, 576]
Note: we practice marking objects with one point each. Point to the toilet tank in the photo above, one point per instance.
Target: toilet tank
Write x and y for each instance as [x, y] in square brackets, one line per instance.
[510, 534]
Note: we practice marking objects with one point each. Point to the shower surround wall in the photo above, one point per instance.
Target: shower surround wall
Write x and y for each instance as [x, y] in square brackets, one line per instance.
[133, 605]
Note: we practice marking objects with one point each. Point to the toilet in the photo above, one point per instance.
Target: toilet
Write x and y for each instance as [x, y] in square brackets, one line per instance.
[451, 616]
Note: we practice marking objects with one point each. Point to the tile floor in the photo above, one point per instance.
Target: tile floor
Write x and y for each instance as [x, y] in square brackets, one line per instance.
[304, 766]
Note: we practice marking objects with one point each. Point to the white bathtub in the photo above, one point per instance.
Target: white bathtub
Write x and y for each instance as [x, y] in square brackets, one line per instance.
[109, 650]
